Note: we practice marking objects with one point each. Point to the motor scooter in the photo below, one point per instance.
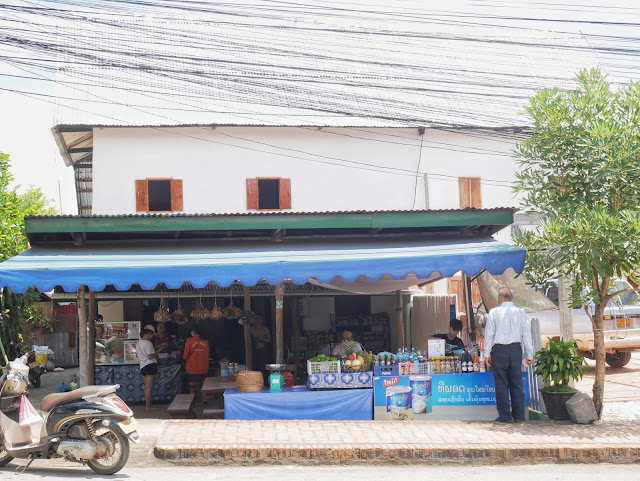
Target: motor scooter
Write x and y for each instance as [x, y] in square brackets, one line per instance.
[36, 370]
[90, 425]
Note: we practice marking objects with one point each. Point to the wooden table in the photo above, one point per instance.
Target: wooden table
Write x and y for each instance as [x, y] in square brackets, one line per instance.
[213, 386]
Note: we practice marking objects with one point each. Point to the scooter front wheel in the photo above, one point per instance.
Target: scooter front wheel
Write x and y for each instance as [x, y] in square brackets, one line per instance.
[117, 452]
[4, 456]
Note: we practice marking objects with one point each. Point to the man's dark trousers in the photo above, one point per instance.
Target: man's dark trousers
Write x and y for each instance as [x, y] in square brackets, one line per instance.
[506, 363]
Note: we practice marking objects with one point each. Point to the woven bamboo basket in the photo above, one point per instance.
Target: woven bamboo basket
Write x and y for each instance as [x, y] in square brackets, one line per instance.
[250, 381]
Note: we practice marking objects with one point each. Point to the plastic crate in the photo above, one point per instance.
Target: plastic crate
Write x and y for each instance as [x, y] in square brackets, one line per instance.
[324, 367]
[379, 371]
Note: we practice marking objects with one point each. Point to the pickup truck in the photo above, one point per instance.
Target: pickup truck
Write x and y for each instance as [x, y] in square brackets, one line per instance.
[621, 322]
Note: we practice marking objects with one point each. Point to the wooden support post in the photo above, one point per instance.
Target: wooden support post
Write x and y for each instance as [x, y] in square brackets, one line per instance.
[279, 332]
[91, 347]
[399, 320]
[82, 337]
[248, 358]
[295, 330]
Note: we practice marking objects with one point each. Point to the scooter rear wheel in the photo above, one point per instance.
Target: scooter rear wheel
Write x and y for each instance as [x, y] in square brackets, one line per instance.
[35, 380]
[4, 456]
[118, 454]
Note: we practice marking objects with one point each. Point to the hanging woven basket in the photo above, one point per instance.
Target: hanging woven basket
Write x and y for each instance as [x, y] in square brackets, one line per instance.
[200, 313]
[162, 314]
[231, 311]
[216, 313]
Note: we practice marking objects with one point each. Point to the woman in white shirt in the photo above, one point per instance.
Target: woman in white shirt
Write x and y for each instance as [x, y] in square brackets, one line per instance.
[148, 358]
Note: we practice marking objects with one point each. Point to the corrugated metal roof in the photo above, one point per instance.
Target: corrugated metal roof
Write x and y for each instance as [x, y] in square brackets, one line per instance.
[276, 214]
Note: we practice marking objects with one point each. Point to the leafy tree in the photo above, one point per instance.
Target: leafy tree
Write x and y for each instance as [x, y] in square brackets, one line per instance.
[17, 313]
[580, 169]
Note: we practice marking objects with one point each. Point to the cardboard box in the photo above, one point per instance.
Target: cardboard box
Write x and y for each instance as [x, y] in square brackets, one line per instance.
[435, 347]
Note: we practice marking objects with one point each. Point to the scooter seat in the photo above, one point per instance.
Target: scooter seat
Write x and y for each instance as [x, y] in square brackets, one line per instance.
[51, 400]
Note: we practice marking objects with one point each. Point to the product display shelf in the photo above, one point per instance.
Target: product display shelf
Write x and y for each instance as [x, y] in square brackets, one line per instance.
[118, 341]
[371, 330]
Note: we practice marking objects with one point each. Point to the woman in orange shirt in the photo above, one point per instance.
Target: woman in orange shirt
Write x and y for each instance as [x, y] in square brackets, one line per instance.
[196, 353]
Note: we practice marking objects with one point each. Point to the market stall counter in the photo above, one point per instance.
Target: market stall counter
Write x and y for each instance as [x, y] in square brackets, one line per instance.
[168, 383]
[299, 402]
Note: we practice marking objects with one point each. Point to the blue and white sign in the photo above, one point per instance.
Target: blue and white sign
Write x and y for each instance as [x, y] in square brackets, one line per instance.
[475, 389]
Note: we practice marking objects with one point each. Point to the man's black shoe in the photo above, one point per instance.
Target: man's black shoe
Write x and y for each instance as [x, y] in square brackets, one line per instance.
[500, 420]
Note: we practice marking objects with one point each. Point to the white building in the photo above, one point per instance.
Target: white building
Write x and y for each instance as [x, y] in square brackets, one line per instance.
[305, 120]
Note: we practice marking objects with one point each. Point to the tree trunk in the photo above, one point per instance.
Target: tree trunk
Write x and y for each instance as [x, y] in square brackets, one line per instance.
[600, 355]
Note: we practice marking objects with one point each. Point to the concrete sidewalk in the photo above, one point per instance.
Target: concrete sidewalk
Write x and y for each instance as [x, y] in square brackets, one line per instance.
[332, 442]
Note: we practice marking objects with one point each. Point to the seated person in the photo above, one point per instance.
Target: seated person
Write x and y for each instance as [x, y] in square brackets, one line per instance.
[340, 350]
[451, 339]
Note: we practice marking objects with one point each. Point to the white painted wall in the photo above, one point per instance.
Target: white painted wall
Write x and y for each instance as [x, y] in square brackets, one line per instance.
[111, 311]
[214, 166]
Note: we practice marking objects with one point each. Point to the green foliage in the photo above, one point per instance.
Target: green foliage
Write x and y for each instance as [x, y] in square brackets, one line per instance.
[17, 313]
[581, 169]
[34, 202]
[559, 363]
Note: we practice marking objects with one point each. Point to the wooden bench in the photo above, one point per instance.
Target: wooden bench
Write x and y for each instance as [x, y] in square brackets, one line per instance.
[182, 406]
[213, 413]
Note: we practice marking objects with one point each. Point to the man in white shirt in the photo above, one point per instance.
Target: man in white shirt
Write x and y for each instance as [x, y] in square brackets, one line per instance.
[506, 335]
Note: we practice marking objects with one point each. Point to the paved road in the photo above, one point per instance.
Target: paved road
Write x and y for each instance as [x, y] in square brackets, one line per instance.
[39, 471]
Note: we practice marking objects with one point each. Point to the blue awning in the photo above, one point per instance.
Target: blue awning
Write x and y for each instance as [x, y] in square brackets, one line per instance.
[151, 264]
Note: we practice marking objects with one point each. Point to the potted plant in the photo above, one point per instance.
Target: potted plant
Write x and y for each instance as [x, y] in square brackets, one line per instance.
[558, 364]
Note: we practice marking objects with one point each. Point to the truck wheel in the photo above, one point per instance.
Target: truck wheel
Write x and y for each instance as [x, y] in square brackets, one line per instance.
[619, 359]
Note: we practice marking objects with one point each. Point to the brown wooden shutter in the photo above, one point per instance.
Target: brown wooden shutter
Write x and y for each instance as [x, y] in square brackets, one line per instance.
[252, 194]
[470, 190]
[285, 193]
[176, 195]
[142, 196]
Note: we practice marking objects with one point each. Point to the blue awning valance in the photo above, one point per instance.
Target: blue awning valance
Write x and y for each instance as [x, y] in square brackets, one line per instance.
[175, 264]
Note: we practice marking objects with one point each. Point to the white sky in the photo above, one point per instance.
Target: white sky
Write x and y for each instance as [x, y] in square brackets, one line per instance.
[25, 123]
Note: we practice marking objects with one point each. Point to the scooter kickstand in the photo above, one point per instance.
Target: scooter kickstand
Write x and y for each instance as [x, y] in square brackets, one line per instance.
[22, 469]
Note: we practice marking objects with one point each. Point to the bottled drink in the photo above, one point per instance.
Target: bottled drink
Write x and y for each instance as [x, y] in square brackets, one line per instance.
[436, 365]
[399, 354]
[483, 366]
[476, 364]
[465, 366]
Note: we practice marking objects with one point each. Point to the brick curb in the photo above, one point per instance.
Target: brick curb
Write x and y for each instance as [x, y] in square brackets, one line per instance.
[239, 455]
[458, 443]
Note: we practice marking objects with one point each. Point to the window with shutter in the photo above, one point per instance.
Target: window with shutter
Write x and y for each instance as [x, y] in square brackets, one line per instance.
[159, 195]
[268, 194]
[470, 192]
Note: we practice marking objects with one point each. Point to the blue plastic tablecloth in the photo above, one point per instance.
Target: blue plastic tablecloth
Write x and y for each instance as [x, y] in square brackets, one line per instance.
[300, 403]
[168, 382]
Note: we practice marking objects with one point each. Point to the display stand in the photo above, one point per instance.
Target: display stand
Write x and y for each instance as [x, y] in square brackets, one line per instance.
[461, 397]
